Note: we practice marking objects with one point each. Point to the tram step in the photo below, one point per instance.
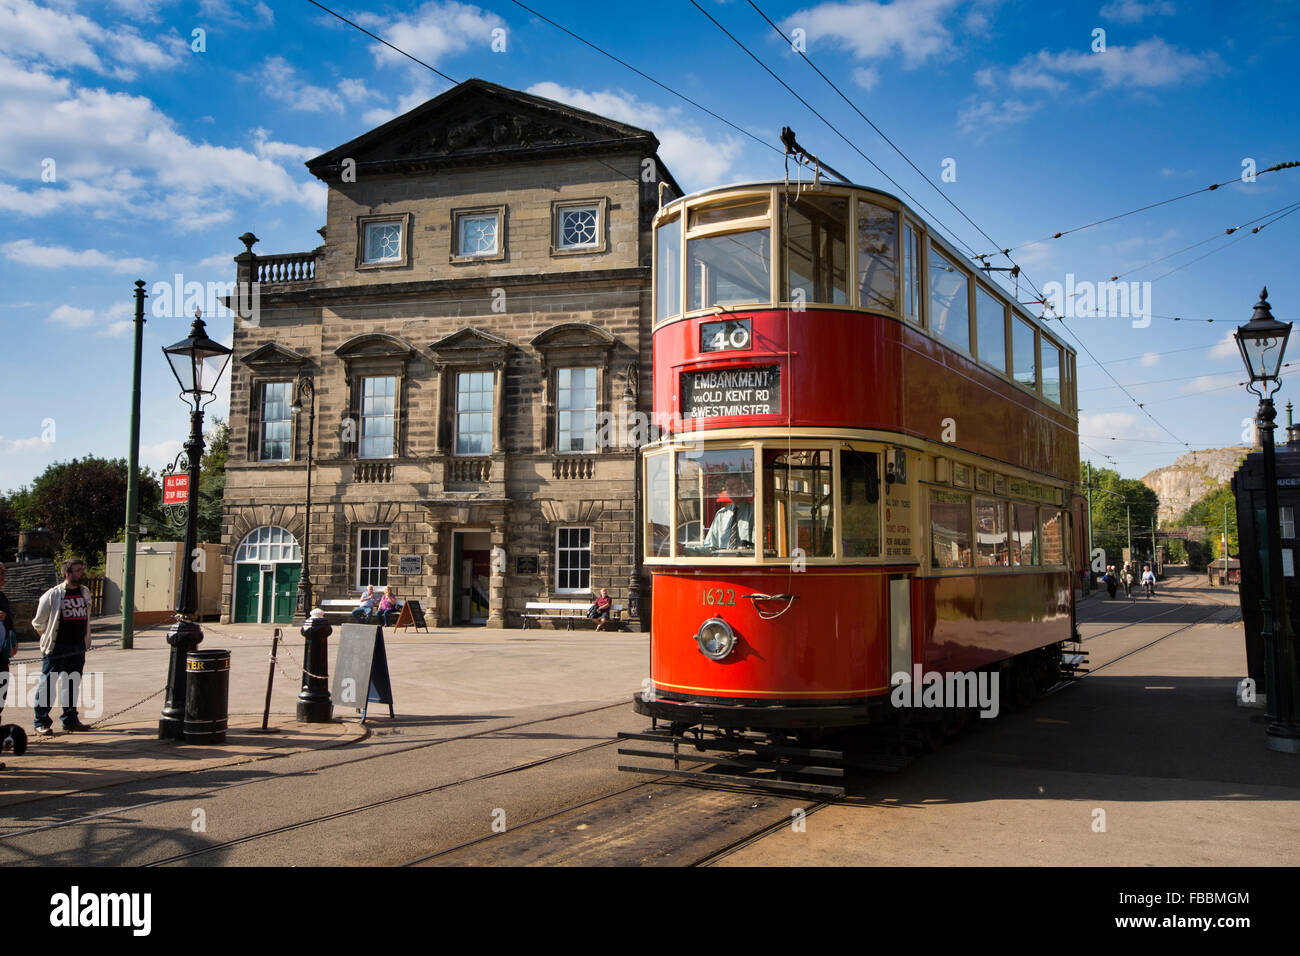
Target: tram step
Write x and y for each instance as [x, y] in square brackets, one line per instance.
[789, 786]
[749, 763]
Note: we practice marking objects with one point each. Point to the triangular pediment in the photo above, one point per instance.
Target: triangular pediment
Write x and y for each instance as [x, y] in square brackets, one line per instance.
[573, 335]
[375, 345]
[478, 121]
[273, 355]
[469, 339]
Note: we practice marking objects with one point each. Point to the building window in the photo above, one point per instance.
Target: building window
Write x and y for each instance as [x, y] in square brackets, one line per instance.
[1288, 522]
[383, 242]
[579, 226]
[268, 543]
[277, 417]
[572, 560]
[474, 413]
[575, 408]
[378, 417]
[372, 557]
[478, 234]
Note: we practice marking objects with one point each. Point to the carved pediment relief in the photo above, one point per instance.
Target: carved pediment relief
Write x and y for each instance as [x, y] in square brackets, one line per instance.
[375, 345]
[468, 340]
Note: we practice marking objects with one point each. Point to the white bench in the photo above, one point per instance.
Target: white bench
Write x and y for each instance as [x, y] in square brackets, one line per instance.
[569, 611]
[345, 606]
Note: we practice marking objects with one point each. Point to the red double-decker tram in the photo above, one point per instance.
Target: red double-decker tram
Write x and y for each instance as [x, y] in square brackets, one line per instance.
[867, 468]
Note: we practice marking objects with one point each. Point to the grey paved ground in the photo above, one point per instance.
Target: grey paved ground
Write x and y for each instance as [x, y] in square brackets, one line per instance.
[515, 729]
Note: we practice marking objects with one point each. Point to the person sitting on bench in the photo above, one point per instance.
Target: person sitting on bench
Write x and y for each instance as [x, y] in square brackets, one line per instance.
[364, 611]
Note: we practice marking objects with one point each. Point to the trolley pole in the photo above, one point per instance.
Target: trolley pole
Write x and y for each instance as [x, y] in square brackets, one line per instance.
[1087, 488]
[132, 479]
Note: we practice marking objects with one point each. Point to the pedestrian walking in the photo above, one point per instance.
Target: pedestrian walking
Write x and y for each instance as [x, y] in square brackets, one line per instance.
[1149, 581]
[8, 639]
[1128, 581]
[63, 621]
[1111, 579]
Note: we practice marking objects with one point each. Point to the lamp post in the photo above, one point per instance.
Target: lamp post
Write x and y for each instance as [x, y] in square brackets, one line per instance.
[1262, 342]
[197, 362]
[306, 386]
[634, 575]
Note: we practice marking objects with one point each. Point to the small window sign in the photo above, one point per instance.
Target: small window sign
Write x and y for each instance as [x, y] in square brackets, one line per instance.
[730, 336]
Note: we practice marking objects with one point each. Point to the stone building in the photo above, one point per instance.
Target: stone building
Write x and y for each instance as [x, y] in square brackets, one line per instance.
[480, 301]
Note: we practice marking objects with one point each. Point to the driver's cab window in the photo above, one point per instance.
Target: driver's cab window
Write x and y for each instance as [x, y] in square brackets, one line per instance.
[715, 503]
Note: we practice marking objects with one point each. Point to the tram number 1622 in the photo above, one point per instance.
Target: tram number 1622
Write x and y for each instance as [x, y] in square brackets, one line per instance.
[731, 335]
[719, 596]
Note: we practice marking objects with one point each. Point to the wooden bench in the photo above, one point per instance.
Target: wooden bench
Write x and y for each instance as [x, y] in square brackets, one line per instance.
[343, 607]
[568, 611]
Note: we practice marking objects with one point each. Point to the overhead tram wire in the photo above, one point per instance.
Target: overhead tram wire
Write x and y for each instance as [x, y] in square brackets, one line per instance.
[1020, 272]
[1253, 232]
[833, 128]
[1132, 212]
[383, 41]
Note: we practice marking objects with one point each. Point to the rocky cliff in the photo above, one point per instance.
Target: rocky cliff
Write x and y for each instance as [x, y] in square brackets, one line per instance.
[1191, 477]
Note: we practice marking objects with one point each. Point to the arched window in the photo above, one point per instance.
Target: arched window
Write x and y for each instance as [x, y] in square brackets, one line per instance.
[269, 543]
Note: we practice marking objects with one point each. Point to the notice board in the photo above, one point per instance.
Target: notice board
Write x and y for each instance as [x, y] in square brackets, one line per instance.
[361, 669]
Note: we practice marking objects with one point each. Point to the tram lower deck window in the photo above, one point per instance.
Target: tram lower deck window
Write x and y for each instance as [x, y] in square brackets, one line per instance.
[950, 529]
[715, 503]
[798, 507]
[859, 504]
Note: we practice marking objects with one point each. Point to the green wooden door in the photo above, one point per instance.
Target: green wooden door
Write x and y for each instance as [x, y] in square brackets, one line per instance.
[247, 588]
[286, 591]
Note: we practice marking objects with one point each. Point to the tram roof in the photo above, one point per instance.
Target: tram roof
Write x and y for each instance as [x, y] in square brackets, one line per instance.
[835, 184]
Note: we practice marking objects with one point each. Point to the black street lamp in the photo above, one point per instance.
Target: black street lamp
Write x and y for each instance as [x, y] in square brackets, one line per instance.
[306, 386]
[1262, 342]
[197, 362]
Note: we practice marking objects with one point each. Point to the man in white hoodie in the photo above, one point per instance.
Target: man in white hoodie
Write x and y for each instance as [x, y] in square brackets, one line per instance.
[63, 621]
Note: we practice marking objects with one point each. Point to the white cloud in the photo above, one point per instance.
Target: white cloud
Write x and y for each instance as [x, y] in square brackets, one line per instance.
[708, 158]
[17, 445]
[72, 317]
[270, 149]
[431, 32]
[912, 28]
[1132, 11]
[159, 455]
[281, 81]
[27, 252]
[866, 77]
[1204, 383]
[1226, 347]
[1150, 63]
[36, 34]
[117, 152]
[1150, 358]
[252, 14]
[422, 93]
[110, 321]
[985, 117]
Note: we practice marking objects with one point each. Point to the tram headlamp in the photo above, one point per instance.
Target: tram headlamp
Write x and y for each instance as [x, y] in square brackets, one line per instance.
[715, 638]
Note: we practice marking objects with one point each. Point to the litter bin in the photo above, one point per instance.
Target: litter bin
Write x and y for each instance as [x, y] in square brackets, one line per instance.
[207, 696]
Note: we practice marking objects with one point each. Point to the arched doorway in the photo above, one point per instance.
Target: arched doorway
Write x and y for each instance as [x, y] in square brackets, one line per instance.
[268, 564]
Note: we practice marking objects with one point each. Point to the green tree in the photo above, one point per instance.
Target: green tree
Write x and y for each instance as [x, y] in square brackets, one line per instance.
[1112, 522]
[8, 527]
[83, 501]
[160, 526]
[1209, 511]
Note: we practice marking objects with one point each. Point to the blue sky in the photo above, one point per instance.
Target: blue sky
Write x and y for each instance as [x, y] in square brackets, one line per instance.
[163, 154]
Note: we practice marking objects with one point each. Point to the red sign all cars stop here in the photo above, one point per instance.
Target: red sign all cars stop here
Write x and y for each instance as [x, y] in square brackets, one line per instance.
[176, 489]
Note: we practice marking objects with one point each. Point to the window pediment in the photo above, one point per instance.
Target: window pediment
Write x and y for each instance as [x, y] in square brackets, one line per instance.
[471, 345]
[272, 358]
[376, 345]
[573, 336]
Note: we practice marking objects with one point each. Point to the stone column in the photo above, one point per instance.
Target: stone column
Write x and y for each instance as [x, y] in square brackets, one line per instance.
[497, 583]
[433, 575]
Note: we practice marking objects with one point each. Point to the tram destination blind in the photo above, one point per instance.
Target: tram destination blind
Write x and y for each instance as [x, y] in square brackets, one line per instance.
[721, 393]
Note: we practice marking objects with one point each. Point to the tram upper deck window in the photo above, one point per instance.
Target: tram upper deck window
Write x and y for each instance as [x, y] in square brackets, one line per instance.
[798, 506]
[816, 233]
[668, 266]
[991, 329]
[733, 268]
[1051, 371]
[911, 273]
[949, 301]
[658, 505]
[715, 503]
[877, 257]
[859, 504]
[1023, 354]
[949, 529]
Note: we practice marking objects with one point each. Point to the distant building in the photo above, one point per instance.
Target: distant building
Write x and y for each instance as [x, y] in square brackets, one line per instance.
[480, 301]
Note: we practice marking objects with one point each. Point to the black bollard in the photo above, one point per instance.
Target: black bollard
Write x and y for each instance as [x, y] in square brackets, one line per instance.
[314, 705]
